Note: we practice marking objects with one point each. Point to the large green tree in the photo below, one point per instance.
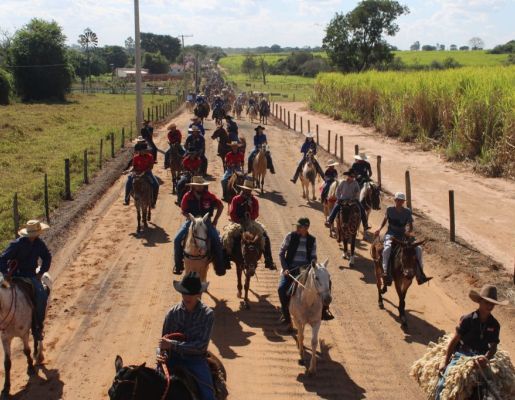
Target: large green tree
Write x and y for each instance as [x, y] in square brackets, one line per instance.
[355, 41]
[156, 63]
[167, 45]
[114, 56]
[40, 63]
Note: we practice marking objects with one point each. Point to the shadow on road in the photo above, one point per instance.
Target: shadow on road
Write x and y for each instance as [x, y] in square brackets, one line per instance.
[331, 382]
[48, 387]
[152, 236]
[274, 196]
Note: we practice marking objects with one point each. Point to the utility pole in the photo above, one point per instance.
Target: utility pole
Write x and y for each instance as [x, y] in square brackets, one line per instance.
[184, 61]
[139, 98]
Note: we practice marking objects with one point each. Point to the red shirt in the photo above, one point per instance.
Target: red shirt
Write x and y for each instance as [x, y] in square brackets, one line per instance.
[234, 159]
[191, 164]
[174, 136]
[143, 162]
[199, 207]
[240, 206]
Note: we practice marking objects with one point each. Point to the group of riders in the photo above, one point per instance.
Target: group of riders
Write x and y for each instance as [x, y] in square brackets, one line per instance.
[191, 318]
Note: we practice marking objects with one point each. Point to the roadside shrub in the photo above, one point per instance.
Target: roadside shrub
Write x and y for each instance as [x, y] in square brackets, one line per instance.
[6, 87]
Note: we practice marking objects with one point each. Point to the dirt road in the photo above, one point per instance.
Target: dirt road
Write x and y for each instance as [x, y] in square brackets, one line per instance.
[113, 297]
[485, 221]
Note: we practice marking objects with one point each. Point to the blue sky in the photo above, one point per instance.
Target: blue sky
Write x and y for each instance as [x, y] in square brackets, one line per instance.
[249, 23]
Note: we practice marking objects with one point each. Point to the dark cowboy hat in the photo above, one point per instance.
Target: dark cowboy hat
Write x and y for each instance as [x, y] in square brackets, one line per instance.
[146, 121]
[140, 146]
[304, 222]
[350, 172]
[487, 293]
[228, 116]
[259, 127]
[191, 284]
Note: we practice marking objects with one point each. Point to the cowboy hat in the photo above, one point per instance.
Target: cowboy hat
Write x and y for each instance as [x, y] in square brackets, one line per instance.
[259, 127]
[399, 196]
[350, 172]
[190, 284]
[234, 143]
[228, 117]
[198, 181]
[194, 128]
[487, 293]
[172, 126]
[303, 222]
[248, 184]
[140, 139]
[33, 228]
[309, 134]
[361, 156]
[332, 163]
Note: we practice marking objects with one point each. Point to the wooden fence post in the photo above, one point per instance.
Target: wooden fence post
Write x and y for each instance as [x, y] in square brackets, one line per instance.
[289, 126]
[309, 125]
[318, 137]
[16, 215]
[356, 149]
[152, 113]
[341, 149]
[408, 190]
[45, 197]
[329, 140]
[276, 109]
[335, 145]
[148, 114]
[301, 125]
[112, 144]
[452, 222]
[379, 171]
[86, 180]
[101, 155]
[67, 188]
[294, 121]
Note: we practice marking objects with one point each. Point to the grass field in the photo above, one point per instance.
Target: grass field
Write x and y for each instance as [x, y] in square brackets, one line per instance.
[465, 58]
[467, 112]
[36, 138]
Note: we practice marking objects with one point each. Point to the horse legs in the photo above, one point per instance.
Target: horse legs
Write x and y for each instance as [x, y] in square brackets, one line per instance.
[6, 342]
[246, 304]
[352, 249]
[238, 274]
[300, 342]
[379, 280]
[149, 215]
[401, 292]
[138, 216]
[26, 350]
[313, 191]
[345, 248]
[314, 343]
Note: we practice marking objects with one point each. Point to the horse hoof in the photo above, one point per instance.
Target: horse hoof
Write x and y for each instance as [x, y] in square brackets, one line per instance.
[239, 295]
[31, 371]
[381, 305]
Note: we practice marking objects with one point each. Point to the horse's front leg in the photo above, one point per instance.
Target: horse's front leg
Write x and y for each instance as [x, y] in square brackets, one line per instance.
[238, 274]
[300, 342]
[247, 287]
[379, 281]
[6, 342]
[313, 191]
[402, 303]
[26, 350]
[138, 216]
[314, 343]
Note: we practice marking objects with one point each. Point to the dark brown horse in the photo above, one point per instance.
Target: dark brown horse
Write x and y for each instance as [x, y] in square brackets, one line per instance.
[403, 264]
[175, 164]
[264, 111]
[142, 192]
[223, 139]
[347, 224]
[202, 111]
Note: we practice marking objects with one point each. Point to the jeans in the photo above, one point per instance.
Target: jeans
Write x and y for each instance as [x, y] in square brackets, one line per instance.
[153, 181]
[41, 297]
[181, 186]
[252, 155]
[387, 251]
[199, 368]
[285, 283]
[216, 246]
[441, 382]
[362, 213]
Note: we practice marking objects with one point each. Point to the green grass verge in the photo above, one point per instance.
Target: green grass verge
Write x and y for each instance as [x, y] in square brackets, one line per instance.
[36, 138]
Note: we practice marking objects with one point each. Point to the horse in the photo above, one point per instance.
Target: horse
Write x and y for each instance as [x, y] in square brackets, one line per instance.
[218, 115]
[238, 108]
[370, 197]
[312, 293]
[252, 113]
[308, 176]
[329, 202]
[202, 111]
[175, 164]
[16, 321]
[237, 178]
[259, 167]
[264, 111]
[196, 247]
[139, 382]
[223, 142]
[142, 193]
[347, 223]
[403, 264]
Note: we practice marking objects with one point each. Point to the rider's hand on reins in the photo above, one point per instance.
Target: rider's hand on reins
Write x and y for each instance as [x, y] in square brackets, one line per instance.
[165, 344]
[161, 359]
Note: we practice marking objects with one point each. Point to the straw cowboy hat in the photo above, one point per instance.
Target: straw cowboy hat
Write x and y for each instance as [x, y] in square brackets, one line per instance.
[198, 181]
[235, 144]
[248, 184]
[399, 196]
[309, 134]
[194, 128]
[361, 156]
[172, 126]
[33, 228]
[190, 284]
[487, 293]
[332, 163]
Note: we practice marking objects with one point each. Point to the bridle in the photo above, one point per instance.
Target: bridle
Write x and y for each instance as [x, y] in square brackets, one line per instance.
[196, 240]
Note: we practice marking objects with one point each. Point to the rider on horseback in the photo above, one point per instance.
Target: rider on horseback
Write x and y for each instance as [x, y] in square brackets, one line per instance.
[191, 322]
[348, 189]
[198, 202]
[20, 260]
[330, 175]
[232, 129]
[362, 168]
[476, 335]
[218, 103]
[309, 144]
[298, 249]
[142, 162]
[174, 137]
[398, 219]
[260, 140]
[245, 205]
[191, 164]
[195, 121]
[234, 162]
[147, 133]
[195, 141]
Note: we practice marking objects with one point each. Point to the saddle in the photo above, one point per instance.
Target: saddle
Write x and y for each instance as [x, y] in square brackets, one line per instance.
[26, 287]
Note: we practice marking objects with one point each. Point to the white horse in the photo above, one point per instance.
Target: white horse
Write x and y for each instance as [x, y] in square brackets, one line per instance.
[196, 247]
[15, 321]
[306, 307]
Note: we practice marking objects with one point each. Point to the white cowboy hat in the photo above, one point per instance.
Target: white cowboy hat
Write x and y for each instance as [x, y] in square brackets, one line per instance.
[234, 143]
[248, 184]
[361, 156]
[194, 128]
[198, 181]
[399, 196]
[332, 163]
[33, 228]
[309, 134]
[487, 293]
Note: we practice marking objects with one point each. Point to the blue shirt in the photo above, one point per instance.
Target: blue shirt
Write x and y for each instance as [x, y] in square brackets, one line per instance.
[306, 146]
[259, 139]
[27, 255]
[397, 221]
[232, 127]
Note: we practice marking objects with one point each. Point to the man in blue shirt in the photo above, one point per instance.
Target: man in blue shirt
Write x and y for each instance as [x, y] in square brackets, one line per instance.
[20, 260]
[260, 140]
[309, 144]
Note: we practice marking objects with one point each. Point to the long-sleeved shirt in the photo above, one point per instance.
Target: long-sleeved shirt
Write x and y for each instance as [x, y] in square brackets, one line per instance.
[191, 164]
[259, 140]
[143, 162]
[26, 254]
[234, 159]
[196, 326]
[300, 255]
[306, 146]
[241, 205]
[348, 190]
[196, 143]
[362, 168]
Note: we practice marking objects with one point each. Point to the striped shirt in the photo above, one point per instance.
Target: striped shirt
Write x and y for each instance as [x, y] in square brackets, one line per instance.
[196, 326]
[300, 255]
[348, 190]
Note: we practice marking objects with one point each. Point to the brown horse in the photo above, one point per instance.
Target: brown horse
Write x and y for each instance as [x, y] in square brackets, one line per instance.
[142, 193]
[264, 111]
[202, 111]
[237, 178]
[223, 142]
[175, 164]
[329, 203]
[259, 167]
[403, 265]
[347, 224]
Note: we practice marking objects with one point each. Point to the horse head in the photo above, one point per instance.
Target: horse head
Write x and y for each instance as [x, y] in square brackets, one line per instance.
[250, 251]
[4, 283]
[408, 256]
[322, 281]
[197, 236]
[125, 382]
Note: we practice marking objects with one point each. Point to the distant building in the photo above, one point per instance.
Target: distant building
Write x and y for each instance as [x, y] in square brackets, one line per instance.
[128, 72]
[176, 70]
